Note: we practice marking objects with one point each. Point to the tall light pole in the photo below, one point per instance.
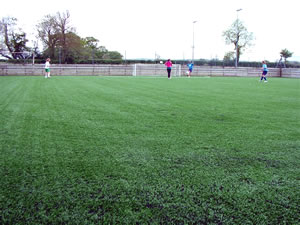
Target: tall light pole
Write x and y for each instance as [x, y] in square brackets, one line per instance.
[236, 46]
[193, 47]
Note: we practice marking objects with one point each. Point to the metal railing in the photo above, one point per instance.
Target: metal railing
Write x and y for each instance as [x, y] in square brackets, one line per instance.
[139, 70]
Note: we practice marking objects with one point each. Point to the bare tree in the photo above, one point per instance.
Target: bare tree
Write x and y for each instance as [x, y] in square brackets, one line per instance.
[63, 27]
[57, 35]
[238, 35]
[47, 32]
[13, 40]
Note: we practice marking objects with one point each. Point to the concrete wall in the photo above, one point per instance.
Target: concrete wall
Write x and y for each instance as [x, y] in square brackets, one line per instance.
[140, 70]
[291, 72]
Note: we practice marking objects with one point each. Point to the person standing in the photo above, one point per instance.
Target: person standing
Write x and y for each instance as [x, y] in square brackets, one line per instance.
[191, 66]
[264, 71]
[168, 64]
[47, 68]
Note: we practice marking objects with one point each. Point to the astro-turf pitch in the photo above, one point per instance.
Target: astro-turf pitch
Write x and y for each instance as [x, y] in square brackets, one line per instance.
[140, 150]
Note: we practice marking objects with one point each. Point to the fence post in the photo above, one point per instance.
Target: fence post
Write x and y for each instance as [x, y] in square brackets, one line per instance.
[280, 72]
[134, 70]
[32, 58]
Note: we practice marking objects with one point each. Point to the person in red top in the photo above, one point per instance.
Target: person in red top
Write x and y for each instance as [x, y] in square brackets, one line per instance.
[168, 64]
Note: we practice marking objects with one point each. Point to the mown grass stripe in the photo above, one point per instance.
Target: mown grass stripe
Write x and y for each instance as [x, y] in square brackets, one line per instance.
[128, 150]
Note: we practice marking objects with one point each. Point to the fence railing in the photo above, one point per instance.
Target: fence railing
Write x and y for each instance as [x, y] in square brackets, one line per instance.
[140, 70]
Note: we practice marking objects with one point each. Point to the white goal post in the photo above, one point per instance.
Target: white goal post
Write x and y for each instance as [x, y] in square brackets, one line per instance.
[155, 70]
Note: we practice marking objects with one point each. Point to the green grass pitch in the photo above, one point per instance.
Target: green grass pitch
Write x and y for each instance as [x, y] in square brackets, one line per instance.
[140, 150]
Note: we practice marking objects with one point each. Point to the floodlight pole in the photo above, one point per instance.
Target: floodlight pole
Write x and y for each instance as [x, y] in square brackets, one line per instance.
[193, 47]
[236, 46]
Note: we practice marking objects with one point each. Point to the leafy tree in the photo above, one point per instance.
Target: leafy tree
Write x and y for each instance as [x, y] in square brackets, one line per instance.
[101, 51]
[90, 42]
[74, 46]
[285, 54]
[91, 47]
[62, 44]
[13, 44]
[112, 55]
[238, 35]
[229, 56]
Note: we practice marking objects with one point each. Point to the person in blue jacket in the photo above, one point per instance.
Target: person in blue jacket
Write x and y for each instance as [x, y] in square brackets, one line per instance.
[191, 66]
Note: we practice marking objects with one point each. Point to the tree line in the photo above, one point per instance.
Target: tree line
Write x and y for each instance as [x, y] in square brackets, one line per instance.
[59, 39]
[62, 44]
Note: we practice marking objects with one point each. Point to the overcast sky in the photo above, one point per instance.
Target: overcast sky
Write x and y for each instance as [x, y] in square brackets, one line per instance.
[164, 27]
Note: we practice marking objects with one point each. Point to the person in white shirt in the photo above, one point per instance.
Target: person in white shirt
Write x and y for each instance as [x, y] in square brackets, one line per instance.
[47, 68]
